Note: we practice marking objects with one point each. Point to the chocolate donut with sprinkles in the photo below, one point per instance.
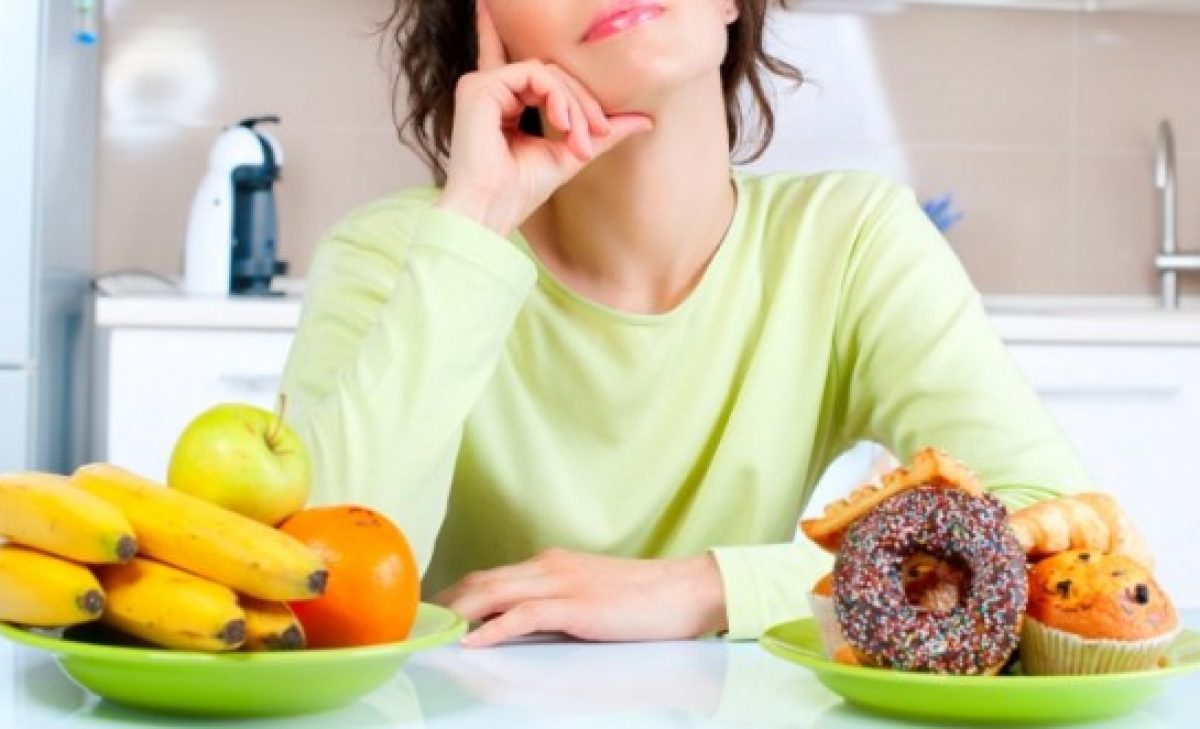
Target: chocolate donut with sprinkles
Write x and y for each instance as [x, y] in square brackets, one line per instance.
[978, 633]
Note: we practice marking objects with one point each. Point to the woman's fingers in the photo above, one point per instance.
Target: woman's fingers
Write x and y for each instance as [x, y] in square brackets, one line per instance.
[534, 84]
[560, 117]
[565, 159]
[482, 578]
[623, 126]
[501, 595]
[564, 112]
[491, 48]
[498, 175]
[597, 119]
[535, 616]
[568, 108]
[592, 597]
[579, 138]
[547, 91]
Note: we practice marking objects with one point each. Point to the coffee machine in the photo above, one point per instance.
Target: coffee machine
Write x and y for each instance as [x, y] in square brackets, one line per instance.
[232, 232]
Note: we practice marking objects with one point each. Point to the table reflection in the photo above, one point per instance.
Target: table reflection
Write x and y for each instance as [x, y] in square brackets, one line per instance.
[846, 716]
[701, 681]
[46, 691]
[695, 683]
[547, 681]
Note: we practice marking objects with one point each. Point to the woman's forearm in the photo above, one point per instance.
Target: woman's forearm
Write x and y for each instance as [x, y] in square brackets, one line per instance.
[392, 353]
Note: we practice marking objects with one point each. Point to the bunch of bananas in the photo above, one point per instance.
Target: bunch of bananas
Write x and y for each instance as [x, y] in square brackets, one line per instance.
[148, 561]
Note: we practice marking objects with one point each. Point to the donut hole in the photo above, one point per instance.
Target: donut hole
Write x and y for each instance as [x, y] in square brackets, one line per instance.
[935, 583]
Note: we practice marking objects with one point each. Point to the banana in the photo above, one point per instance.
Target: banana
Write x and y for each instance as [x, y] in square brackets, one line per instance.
[270, 625]
[46, 511]
[213, 542]
[171, 608]
[44, 591]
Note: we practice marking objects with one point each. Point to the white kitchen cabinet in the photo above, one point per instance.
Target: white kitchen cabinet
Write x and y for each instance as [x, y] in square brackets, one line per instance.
[1134, 415]
[14, 420]
[152, 381]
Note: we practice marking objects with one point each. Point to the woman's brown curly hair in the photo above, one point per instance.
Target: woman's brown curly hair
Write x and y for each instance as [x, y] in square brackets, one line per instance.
[435, 43]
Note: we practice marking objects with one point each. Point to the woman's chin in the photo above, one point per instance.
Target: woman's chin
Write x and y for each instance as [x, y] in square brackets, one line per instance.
[645, 87]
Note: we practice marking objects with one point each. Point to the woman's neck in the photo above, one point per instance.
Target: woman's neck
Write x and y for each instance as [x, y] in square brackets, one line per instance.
[635, 230]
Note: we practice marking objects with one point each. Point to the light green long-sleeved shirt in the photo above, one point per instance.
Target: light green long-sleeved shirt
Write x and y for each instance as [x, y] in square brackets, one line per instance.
[441, 375]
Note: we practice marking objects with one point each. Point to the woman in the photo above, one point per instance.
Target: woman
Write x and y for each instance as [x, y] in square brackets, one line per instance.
[595, 374]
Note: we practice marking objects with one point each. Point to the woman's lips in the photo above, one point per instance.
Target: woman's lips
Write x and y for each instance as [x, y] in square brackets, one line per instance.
[621, 20]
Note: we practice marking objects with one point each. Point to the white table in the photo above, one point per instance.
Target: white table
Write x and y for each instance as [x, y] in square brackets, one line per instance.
[544, 684]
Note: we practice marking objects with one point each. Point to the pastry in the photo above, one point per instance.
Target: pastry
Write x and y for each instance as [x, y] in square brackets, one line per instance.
[930, 467]
[976, 632]
[1091, 521]
[1090, 612]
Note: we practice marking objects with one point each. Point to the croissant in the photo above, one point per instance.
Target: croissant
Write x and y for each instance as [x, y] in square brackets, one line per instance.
[929, 466]
[1080, 521]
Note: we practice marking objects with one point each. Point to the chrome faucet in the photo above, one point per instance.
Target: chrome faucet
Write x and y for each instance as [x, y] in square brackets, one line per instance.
[1170, 262]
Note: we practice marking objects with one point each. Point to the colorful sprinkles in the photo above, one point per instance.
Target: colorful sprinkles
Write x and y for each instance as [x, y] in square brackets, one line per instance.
[980, 632]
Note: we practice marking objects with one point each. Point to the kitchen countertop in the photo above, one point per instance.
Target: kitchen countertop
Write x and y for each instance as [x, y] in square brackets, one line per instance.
[1090, 320]
[172, 311]
[545, 683]
[1094, 320]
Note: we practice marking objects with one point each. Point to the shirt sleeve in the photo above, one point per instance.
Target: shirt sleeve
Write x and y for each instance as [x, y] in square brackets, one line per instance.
[405, 317]
[766, 584]
[919, 365]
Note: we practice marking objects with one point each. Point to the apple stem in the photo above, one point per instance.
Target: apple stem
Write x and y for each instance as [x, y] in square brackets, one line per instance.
[274, 434]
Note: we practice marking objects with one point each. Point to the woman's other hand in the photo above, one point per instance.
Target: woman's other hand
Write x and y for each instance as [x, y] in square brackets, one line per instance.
[497, 174]
[592, 597]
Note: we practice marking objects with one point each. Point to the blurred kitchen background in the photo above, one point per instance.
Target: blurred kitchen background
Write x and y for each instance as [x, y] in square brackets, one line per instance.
[1042, 119]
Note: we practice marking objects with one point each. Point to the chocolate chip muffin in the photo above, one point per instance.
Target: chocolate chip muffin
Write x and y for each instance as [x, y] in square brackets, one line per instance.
[1090, 612]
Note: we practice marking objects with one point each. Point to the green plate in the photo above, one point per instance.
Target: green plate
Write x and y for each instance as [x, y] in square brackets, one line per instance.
[240, 684]
[1019, 699]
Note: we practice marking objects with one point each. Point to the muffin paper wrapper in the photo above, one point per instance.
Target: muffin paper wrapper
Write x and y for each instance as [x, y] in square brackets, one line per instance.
[831, 633]
[1047, 651]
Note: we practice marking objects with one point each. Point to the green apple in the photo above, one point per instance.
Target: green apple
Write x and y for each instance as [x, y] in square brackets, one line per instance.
[245, 459]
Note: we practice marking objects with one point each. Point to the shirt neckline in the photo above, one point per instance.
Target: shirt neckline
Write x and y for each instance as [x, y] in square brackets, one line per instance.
[547, 281]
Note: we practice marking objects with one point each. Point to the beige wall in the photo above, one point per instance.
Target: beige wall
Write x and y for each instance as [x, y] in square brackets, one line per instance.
[1043, 124]
[176, 71]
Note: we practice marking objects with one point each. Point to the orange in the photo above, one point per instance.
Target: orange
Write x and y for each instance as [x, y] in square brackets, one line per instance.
[373, 588]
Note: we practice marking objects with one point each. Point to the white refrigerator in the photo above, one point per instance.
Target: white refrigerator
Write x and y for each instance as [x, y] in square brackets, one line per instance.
[48, 101]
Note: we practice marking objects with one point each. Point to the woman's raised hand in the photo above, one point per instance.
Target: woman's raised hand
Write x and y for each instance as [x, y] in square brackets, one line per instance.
[497, 174]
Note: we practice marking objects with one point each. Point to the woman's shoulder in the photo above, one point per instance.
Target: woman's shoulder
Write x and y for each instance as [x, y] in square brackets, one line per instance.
[831, 192]
[820, 219]
[382, 220]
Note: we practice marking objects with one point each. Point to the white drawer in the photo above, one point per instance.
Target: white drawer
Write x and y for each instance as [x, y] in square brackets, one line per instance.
[1063, 371]
[1133, 413]
[156, 380]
